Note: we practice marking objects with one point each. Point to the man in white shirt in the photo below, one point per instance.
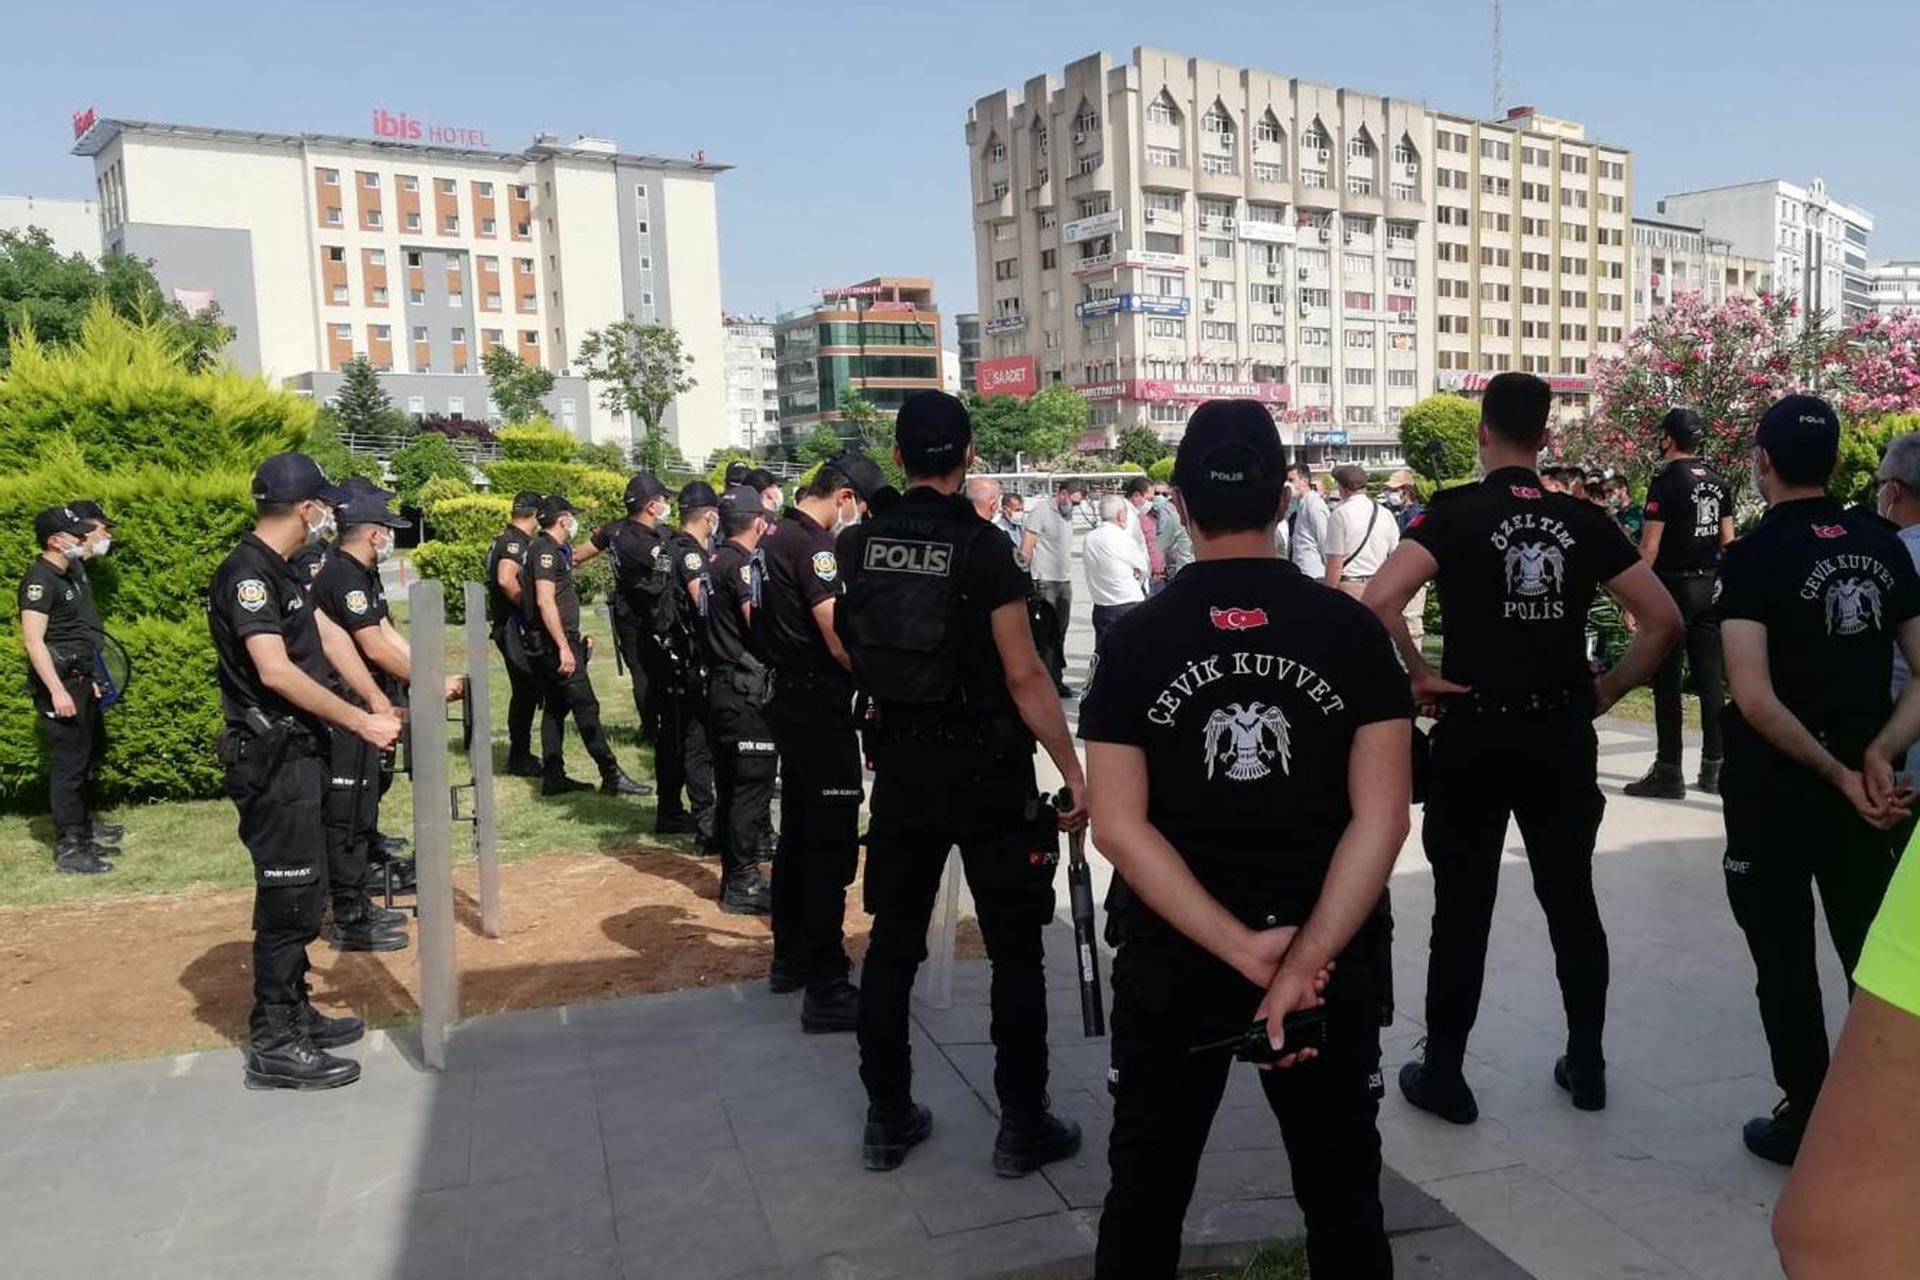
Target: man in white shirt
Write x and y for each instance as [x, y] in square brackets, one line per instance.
[1306, 523]
[1360, 535]
[1116, 566]
[1046, 547]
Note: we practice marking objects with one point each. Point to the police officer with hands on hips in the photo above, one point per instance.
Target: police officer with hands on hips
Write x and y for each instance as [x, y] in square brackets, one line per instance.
[504, 585]
[745, 759]
[60, 629]
[811, 714]
[281, 664]
[684, 709]
[934, 620]
[1812, 604]
[551, 617]
[1517, 567]
[1244, 690]
[1688, 520]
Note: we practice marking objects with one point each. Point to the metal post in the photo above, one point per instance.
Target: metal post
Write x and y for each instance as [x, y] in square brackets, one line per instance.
[432, 819]
[934, 986]
[486, 830]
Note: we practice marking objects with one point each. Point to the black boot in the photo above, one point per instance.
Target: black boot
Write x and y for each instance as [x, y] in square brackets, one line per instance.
[522, 765]
[891, 1133]
[330, 1033]
[1587, 1084]
[105, 832]
[356, 931]
[1777, 1137]
[280, 1055]
[673, 824]
[746, 893]
[830, 1007]
[73, 854]
[615, 782]
[392, 846]
[1031, 1137]
[559, 784]
[783, 979]
[1662, 782]
[383, 918]
[1439, 1090]
[1709, 781]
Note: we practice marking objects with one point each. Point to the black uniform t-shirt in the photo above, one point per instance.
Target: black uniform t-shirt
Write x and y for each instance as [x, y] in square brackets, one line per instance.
[735, 583]
[73, 624]
[307, 560]
[1518, 571]
[509, 545]
[690, 558]
[1689, 498]
[1832, 588]
[642, 574]
[801, 572]
[548, 561]
[1244, 683]
[349, 592]
[256, 591]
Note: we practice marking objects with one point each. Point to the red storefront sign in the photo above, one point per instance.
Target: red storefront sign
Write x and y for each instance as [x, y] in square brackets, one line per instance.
[1012, 376]
[83, 121]
[1152, 389]
[1479, 381]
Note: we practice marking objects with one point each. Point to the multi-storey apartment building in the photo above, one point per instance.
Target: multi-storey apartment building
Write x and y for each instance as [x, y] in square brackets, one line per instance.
[1817, 245]
[1172, 229]
[753, 394]
[1896, 286]
[1672, 258]
[966, 326]
[1531, 252]
[880, 337]
[423, 257]
[73, 225]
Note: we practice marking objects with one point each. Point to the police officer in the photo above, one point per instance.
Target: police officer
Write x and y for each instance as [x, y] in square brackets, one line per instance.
[684, 714]
[1241, 691]
[104, 836]
[281, 696]
[738, 686]
[934, 619]
[503, 610]
[1812, 603]
[386, 854]
[643, 615]
[550, 619]
[1518, 568]
[811, 715]
[1687, 520]
[60, 629]
[348, 591]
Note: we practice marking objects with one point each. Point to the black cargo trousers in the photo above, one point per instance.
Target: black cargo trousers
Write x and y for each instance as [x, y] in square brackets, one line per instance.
[649, 671]
[1788, 831]
[1169, 995]
[745, 763]
[561, 696]
[278, 784]
[932, 791]
[819, 845]
[1700, 646]
[523, 700]
[75, 744]
[1472, 790]
[349, 813]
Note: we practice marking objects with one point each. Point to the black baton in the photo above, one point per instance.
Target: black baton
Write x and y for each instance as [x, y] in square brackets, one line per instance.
[1086, 932]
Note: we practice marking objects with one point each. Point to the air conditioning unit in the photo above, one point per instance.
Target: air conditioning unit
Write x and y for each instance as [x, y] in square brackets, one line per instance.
[1408, 170]
[1304, 308]
[1305, 274]
[1204, 260]
[1211, 306]
[1403, 282]
[1226, 224]
[1326, 235]
[1079, 137]
[1273, 268]
[1321, 154]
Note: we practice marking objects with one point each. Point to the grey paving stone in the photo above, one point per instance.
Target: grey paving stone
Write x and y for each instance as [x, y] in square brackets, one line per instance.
[692, 1219]
[637, 1124]
[949, 1178]
[1243, 1174]
[823, 1209]
[807, 1124]
[554, 1131]
[540, 1225]
[1408, 1208]
[1451, 1253]
[399, 1236]
[117, 1258]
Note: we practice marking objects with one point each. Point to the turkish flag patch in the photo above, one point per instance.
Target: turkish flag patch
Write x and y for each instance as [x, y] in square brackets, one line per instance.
[1829, 531]
[1237, 619]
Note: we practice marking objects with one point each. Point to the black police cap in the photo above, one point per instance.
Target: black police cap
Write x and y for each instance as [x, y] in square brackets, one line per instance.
[932, 431]
[88, 509]
[528, 500]
[57, 520]
[360, 486]
[1230, 444]
[743, 499]
[294, 477]
[862, 473]
[552, 508]
[369, 508]
[696, 495]
[642, 489]
[1801, 434]
[761, 478]
[736, 473]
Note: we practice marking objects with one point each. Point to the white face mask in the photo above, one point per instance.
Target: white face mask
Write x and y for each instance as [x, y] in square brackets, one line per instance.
[78, 550]
[323, 528]
[841, 523]
[101, 547]
[569, 529]
[383, 551]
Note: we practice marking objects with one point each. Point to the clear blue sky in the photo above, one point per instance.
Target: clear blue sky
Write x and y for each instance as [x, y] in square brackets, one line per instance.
[845, 119]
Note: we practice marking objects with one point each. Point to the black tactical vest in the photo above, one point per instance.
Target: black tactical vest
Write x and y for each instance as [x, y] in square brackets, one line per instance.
[900, 618]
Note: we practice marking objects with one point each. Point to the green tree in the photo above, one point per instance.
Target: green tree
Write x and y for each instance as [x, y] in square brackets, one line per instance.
[1439, 437]
[518, 388]
[363, 407]
[605, 456]
[421, 460]
[999, 428]
[641, 368]
[869, 425]
[1056, 419]
[51, 295]
[821, 443]
[1141, 446]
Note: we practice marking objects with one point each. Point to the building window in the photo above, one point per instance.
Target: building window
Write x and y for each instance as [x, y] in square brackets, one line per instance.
[486, 226]
[456, 299]
[330, 177]
[1161, 111]
[379, 295]
[641, 226]
[530, 336]
[340, 293]
[445, 185]
[1049, 259]
[1168, 157]
[456, 405]
[373, 219]
[413, 222]
[1359, 339]
[493, 301]
[450, 224]
[640, 191]
[529, 301]
[419, 333]
[1216, 164]
[409, 183]
[1264, 171]
[1166, 327]
[336, 253]
[417, 297]
[520, 191]
[381, 332]
[333, 215]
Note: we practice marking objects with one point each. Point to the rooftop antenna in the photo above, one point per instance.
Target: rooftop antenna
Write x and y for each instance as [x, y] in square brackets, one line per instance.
[1499, 89]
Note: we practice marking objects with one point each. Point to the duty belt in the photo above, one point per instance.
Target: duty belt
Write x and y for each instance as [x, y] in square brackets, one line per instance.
[1535, 702]
[1685, 573]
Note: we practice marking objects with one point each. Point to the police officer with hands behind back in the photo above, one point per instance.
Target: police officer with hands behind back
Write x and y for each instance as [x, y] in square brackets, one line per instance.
[643, 593]
[1812, 603]
[1688, 520]
[60, 629]
[281, 698]
[1517, 567]
[1245, 690]
[934, 619]
[738, 686]
[811, 715]
[504, 586]
[684, 712]
[550, 613]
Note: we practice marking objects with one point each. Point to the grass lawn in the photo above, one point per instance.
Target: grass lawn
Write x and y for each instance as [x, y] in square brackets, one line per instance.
[1284, 1261]
[174, 848]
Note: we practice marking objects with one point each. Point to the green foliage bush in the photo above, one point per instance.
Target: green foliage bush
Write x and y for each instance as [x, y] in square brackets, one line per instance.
[1161, 472]
[440, 489]
[159, 736]
[538, 441]
[1438, 436]
[453, 563]
[124, 397]
[604, 456]
[597, 495]
[474, 517]
[428, 457]
[717, 473]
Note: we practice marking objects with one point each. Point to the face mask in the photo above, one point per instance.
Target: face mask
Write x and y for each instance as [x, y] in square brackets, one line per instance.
[77, 551]
[569, 528]
[383, 552]
[323, 528]
[101, 547]
[841, 523]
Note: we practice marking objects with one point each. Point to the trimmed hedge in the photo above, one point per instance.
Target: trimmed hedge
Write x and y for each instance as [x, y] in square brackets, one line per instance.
[535, 442]
[473, 518]
[456, 562]
[159, 736]
[597, 495]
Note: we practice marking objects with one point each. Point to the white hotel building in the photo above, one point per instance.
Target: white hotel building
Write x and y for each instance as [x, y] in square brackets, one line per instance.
[423, 257]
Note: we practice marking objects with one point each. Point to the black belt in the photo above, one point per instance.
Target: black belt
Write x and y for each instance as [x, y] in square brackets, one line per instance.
[1533, 702]
[1685, 573]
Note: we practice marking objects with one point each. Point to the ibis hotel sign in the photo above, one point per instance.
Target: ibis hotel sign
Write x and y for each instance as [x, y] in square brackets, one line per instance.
[398, 126]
